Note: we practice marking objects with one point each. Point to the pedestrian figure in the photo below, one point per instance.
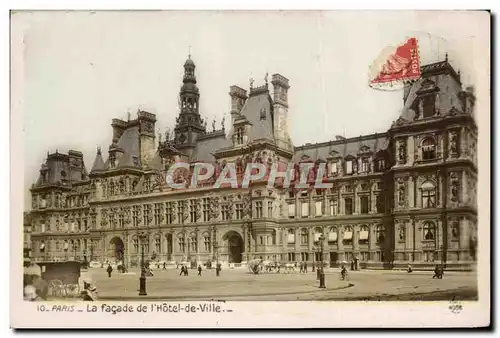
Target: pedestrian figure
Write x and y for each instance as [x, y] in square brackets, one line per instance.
[182, 270]
[199, 270]
[109, 270]
[164, 265]
[185, 270]
[305, 267]
[410, 270]
[301, 267]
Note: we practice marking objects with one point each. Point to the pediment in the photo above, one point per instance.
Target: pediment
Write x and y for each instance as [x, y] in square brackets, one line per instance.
[364, 149]
[333, 154]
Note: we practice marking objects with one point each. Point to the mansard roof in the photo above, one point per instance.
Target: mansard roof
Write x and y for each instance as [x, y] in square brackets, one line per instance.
[342, 147]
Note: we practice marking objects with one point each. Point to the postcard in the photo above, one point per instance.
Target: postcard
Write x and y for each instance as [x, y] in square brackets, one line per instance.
[232, 169]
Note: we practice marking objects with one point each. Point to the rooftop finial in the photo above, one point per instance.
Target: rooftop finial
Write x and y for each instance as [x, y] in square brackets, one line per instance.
[266, 78]
[98, 150]
[189, 53]
[213, 125]
[251, 81]
[446, 57]
[128, 115]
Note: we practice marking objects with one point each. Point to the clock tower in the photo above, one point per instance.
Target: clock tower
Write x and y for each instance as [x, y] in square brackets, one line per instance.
[189, 123]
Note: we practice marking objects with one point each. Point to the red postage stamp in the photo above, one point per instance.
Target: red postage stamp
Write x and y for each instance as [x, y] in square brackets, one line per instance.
[395, 65]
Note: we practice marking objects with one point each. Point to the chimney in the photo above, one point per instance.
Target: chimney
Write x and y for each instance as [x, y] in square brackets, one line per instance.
[238, 99]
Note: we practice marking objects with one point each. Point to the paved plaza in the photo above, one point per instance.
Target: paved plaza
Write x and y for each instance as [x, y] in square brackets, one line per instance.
[239, 284]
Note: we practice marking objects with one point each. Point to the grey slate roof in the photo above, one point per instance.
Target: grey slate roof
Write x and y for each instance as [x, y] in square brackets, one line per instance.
[208, 144]
[261, 128]
[98, 163]
[344, 148]
[129, 142]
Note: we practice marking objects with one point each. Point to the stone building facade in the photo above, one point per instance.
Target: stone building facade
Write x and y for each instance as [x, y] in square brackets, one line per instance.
[406, 195]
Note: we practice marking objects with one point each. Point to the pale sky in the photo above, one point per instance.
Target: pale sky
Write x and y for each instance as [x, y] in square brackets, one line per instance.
[83, 69]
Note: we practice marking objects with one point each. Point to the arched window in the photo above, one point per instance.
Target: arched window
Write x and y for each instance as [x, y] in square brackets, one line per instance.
[273, 237]
[291, 236]
[428, 194]
[206, 241]
[317, 234]
[182, 243]
[193, 242]
[304, 236]
[135, 244]
[347, 238]
[158, 244]
[428, 149]
[332, 235]
[429, 231]
[364, 233]
[380, 233]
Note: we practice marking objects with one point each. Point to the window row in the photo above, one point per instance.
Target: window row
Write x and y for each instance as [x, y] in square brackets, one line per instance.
[317, 208]
[332, 235]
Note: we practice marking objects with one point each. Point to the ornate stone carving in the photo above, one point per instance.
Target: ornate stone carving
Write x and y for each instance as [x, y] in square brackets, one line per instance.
[401, 232]
[197, 207]
[453, 143]
[104, 217]
[402, 151]
[401, 193]
[455, 187]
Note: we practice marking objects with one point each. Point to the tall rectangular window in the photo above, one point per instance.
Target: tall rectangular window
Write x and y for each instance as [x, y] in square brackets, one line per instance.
[157, 213]
[206, 210]
[258, 209]
[291, 210]
[348, 167]
[225, 212]
[192, 211]
[305, 209]
[348, 206]
[239, 210]
[364, 204]
[169, 212]
[269, 209]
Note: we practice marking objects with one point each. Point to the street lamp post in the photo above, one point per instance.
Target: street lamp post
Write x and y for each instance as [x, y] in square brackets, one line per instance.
[142, 279]
[216, 249]
[322, 272]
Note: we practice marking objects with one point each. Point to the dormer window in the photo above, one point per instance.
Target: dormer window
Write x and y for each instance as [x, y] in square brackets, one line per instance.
[263, 114]
[427, 105]
[428, 149]
[333, 168]
[348, 167]
[365, 165]
[239, 136]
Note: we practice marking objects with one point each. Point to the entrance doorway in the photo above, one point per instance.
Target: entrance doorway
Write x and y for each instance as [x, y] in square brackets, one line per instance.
[334, 257]
[117, 248]
[235, 246]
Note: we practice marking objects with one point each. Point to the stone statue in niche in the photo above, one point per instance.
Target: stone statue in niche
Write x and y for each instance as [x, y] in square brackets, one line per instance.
[401, 194]
[454, 143]
[454, 186]
[213, 125]
[436, 105]
[455, 229]
[454, 190]
[402, 151]
[401, 233]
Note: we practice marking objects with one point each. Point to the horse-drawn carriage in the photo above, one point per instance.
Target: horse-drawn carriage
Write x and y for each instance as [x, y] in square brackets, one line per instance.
[62, 278]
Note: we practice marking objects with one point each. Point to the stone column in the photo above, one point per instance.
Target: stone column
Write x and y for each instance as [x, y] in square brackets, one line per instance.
[463, 243]
[355, 201]
[355, 241]
[371, 241]
[297, 240]
[310, 239]
[340, 244]
[440, 198]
